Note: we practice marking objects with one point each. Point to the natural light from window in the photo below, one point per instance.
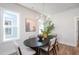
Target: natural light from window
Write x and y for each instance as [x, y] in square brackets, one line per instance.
[10, 25]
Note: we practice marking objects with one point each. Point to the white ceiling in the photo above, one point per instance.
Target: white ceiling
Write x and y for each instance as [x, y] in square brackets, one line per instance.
[50, 8]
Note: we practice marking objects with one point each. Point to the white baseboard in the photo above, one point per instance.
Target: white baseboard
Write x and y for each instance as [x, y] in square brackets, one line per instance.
[69, 44]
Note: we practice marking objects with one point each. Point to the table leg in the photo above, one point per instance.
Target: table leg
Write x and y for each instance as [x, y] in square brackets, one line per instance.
[37, 49]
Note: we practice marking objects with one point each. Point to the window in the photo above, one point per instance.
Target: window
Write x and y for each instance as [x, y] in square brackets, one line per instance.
[10, 25]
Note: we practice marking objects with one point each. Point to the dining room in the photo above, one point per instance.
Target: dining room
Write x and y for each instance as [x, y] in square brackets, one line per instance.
[39, 28]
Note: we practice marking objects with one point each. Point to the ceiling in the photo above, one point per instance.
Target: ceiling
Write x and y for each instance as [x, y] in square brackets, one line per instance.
[50, 8]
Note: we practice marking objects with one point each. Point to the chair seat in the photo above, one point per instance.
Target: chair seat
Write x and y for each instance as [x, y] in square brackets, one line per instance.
[7, 48]
[7, 52]
[27, 51]
[45, 48]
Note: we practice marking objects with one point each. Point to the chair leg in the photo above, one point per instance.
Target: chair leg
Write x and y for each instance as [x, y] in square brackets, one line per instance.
[55, 51]
[38, 51]
[48, 52]
[57, 47]
[19, 51]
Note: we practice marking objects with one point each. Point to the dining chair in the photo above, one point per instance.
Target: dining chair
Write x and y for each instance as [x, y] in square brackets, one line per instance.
[8, 48]
[27, 51]
[23, 50]
[13, 48]
[52, 46]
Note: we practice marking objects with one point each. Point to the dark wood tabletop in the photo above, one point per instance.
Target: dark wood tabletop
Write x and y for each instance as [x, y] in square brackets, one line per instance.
[34, 42]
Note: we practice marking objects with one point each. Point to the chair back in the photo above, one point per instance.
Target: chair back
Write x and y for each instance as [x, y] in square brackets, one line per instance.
[18, 48]
[52, 41]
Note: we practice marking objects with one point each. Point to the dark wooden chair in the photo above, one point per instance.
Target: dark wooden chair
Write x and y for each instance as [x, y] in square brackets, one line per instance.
[52, 46]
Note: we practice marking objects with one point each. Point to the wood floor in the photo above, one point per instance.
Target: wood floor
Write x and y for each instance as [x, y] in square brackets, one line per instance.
[67, 50]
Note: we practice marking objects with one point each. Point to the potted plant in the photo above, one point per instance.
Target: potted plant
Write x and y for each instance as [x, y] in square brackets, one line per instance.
[48, 28]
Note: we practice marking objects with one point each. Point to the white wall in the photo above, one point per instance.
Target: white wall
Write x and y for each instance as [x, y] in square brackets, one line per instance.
[24, 13]
[1, 26]
[64, 23]
[64, 26]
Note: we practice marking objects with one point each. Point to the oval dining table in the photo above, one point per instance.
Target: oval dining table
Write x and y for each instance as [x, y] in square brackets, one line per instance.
[35, 43]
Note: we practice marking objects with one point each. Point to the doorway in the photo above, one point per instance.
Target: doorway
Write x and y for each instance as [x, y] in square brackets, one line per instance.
[78, 34]
[76, 31]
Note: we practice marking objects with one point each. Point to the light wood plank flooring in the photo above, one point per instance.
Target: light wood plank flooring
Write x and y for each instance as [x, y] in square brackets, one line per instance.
[67, 50]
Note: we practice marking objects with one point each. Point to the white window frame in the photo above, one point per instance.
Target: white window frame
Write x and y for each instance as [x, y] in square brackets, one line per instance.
[15, 38]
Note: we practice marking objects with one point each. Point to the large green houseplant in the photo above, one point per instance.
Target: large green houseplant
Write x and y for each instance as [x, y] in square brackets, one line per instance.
[48, 28]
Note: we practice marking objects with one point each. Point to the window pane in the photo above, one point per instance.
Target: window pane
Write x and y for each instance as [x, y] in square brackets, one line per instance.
[8, 32]
[14, 32]
[11, 32]
[10, 15]
[10, 20]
